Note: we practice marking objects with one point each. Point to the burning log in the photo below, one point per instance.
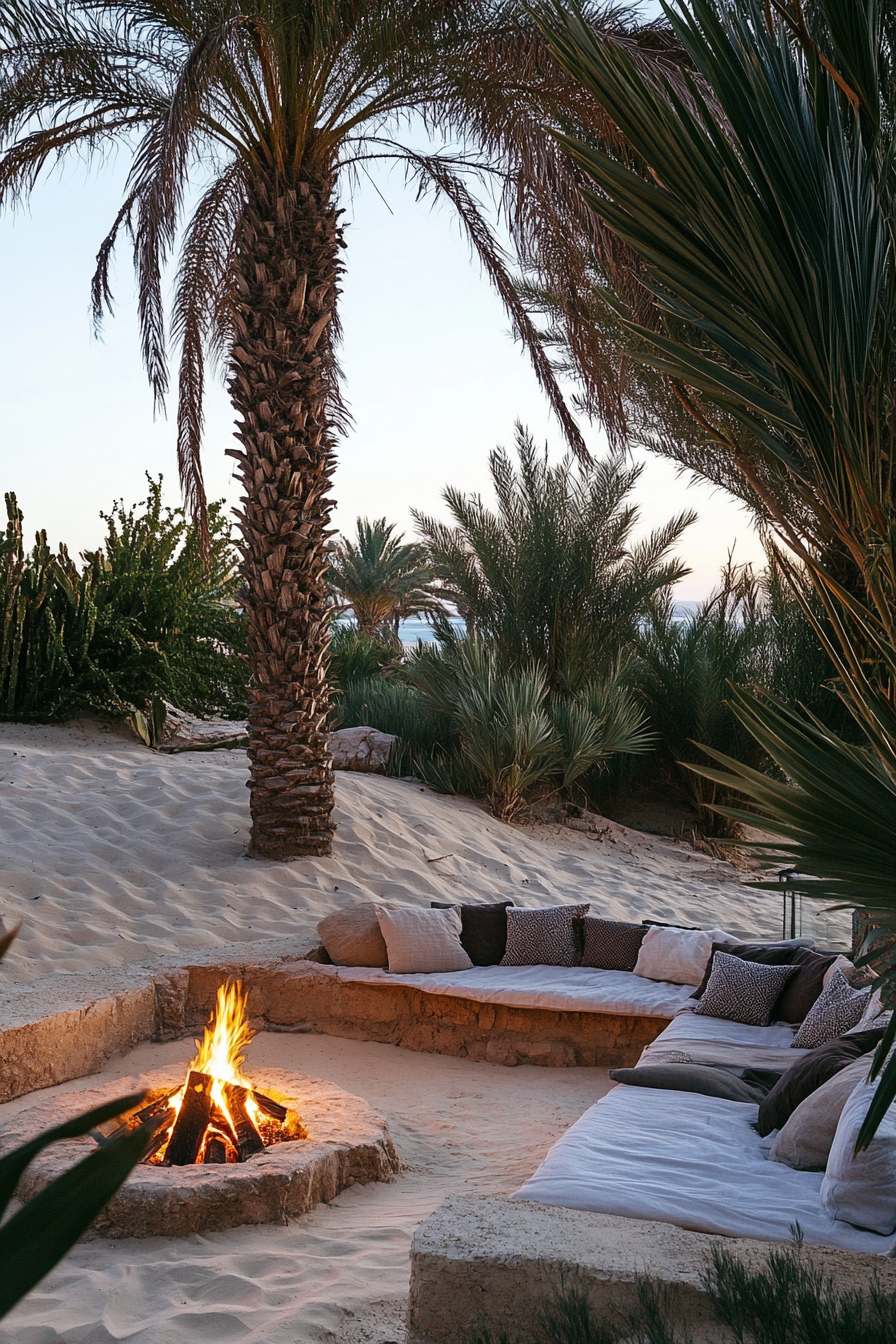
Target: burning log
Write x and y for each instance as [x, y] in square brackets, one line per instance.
[215, 1150]
[192, 1121]
[249, 1141]
[269, 1107]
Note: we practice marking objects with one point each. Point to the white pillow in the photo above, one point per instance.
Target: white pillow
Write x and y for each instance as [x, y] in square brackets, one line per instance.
[678, 956]
[861, 1188]
[423, 941]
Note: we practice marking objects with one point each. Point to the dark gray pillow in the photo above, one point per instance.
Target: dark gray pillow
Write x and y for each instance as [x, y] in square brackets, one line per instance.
[483, 930]
[743, 991]
[708, 1079]
[809, 1072]
[611, 944]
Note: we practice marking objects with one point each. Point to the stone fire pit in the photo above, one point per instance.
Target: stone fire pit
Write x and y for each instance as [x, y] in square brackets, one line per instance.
[348, 1142]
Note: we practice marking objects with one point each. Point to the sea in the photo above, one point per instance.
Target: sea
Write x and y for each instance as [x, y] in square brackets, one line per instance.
[417, 628]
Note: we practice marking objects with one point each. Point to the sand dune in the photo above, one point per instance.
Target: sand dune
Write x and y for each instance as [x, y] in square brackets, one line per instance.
[110, 853]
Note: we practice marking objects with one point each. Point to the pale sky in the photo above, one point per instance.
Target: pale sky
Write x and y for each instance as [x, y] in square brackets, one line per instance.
[432, 378]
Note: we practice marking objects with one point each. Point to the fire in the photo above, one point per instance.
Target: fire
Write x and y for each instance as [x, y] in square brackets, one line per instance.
[216, 1115]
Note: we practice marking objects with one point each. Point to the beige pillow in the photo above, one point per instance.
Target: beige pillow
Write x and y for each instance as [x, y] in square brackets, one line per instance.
[678, 956]
[352, 936]
[804, 1142]
[423, 941]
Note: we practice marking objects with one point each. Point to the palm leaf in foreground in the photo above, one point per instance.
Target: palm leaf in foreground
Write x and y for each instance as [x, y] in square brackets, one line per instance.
[834, 818]
[45, 1229]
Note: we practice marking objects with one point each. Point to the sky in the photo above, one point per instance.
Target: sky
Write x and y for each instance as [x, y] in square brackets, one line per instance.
[433, 379]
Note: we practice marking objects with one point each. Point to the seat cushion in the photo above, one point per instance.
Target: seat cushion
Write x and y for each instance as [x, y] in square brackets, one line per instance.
[483, 930]
[809, 1072]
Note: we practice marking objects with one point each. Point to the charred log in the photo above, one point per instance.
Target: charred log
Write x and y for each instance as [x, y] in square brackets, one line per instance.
[191, 1123]
[215, 1150]
[249, 1141]
[272, 1109]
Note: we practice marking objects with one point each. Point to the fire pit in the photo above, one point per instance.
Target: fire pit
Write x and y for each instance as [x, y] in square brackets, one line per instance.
[216, 1115]
[234, 1149]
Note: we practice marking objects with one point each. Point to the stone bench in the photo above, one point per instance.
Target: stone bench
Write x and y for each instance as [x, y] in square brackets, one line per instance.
[65, 1027]
[483, 1263]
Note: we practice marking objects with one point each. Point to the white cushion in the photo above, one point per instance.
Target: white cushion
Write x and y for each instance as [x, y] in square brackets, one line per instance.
[678, 956]
[805, 1141]
[421, 942]
[860, 1188]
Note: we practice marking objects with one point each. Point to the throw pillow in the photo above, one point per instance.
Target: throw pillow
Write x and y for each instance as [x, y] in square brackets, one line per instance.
[809, 1073]
[612, 944]
[711, 1080]
[678, 956]
[743, 991]
[422, 942]
[836, 1009]
[860, 1188]
[803, 991]
[543, 937]
[875, 1014]
[352, 936]
[804, 1142]
[784, 953]
[483, 930]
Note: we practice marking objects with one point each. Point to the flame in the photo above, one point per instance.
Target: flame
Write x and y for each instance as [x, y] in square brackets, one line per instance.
[219, 1056]
[226, 1035]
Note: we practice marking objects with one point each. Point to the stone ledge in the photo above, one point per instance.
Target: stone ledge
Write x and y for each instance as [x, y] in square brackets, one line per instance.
[484, 1262]
[67, 1026]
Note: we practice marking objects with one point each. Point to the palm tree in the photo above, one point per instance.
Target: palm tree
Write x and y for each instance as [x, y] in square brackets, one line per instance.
[266, 108]
[553, 575]
[765, 218]
[382, 578]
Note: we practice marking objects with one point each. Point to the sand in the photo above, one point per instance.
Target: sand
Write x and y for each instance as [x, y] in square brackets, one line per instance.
[110, 853]
[341, 1271]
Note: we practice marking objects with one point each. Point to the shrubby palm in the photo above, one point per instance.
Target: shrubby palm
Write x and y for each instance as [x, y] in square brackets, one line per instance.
[382, 578]
[504, 735]
[263, 108]
[552, 576]
[766, 220]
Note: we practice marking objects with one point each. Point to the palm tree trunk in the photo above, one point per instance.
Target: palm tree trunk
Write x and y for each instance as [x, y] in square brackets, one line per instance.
[281, 385]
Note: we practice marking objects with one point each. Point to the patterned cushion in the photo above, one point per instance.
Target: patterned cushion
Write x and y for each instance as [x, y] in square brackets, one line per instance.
[546, 937]
[743, 991]
[612, 944]
[838, 1008]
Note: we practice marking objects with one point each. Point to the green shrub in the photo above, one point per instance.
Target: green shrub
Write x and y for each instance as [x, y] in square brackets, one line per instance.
[354, 654]
[146, 615]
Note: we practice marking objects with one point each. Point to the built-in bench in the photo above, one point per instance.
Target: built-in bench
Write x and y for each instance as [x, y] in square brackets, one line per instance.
[66, 1027]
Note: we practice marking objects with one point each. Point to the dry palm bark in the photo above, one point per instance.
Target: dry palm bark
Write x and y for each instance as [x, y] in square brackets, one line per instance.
[281, 379]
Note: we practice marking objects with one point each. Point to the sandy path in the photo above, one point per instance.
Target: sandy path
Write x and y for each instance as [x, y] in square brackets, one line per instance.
[110, 853]
[343, 1270]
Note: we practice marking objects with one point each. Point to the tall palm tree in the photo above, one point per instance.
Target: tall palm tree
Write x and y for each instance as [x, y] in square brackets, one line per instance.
[764, 214]
[264, 108]
[382, 578]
